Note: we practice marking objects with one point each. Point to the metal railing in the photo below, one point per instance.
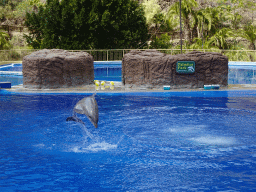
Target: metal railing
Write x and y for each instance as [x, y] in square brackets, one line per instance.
[7, 56]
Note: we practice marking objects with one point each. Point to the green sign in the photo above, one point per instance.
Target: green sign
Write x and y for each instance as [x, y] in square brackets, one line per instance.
[185, 67]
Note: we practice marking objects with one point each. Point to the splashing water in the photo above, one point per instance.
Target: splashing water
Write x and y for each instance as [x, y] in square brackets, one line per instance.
[215, 140]
[86, 133]
[95, 147]
[94, 144]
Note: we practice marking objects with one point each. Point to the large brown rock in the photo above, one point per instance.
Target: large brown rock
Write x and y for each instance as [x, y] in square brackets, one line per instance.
[152, 69]
[57, 68]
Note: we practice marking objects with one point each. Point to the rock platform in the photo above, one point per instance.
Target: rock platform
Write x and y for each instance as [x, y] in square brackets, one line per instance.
[153, 69]
[57, 68]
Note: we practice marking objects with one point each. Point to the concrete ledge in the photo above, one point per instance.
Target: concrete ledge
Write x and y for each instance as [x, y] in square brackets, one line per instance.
[120, 88]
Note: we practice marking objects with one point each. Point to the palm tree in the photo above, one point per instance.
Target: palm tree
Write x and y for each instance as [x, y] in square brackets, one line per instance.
[220, 38]
[205, 20]
[171, 22]
[249, 33]
[200, 44]
[187, 9]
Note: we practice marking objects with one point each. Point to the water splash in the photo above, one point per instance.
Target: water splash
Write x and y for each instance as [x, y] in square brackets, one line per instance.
[86, 132]
[101, 146]
[215, 140]
[95, 147]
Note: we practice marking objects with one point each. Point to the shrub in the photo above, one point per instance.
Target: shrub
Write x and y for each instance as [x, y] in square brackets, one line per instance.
[161, 43]
[87, 24]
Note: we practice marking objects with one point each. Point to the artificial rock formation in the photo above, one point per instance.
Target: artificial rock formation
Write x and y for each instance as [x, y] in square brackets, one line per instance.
[152, 68]
[57, 68]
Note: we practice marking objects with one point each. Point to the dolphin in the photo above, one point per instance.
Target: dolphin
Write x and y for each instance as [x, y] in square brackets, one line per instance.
[87, 106]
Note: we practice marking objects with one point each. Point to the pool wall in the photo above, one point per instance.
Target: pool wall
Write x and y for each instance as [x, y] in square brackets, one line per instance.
[239, 72]
[242, 72]
[108, 70]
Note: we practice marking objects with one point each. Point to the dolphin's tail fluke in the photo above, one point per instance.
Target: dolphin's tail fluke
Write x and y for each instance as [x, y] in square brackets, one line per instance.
[76, 119]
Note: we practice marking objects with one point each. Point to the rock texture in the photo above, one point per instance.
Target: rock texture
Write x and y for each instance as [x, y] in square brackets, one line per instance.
[151, 68]
[57, 68]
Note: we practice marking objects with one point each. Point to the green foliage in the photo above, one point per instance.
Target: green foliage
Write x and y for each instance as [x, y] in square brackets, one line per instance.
[161, 43]
[26, 6]
[18, 41]
[212, 27]
[208, 20]
[6, 12]
[187, 10]
[14, 56]
[219, 39]
[12, 3]
[240, 55]
[3, 2]
[200, 44]
[171, 22]
[151, 8]
[4, 43]
[87, 24]
[249, 33]
[35, 23]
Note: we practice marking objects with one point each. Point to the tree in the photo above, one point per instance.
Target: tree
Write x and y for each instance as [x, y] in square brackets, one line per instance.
[158, 17]
[4, 43]
[249, 6]
[12, 3]
[249, 33]
[160, 43]
[151, 8]
[209, 20]
[88, 24]
[220, 38]
[187, 10]
[26, 6]
[36, 24]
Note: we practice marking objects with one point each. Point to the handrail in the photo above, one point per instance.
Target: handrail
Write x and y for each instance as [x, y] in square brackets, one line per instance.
[117, 54]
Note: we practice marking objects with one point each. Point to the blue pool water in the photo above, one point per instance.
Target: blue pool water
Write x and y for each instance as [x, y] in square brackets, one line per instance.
[11, 67]
[239, 72]
[169, 141]
[108, 71]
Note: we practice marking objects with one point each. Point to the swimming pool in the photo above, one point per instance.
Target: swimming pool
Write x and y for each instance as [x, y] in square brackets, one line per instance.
[159, 141]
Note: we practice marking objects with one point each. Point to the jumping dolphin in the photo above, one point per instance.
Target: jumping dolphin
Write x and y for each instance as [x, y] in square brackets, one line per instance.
[87, 106]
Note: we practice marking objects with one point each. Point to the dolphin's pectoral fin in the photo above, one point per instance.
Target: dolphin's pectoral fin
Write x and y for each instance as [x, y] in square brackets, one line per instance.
[74, 118]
